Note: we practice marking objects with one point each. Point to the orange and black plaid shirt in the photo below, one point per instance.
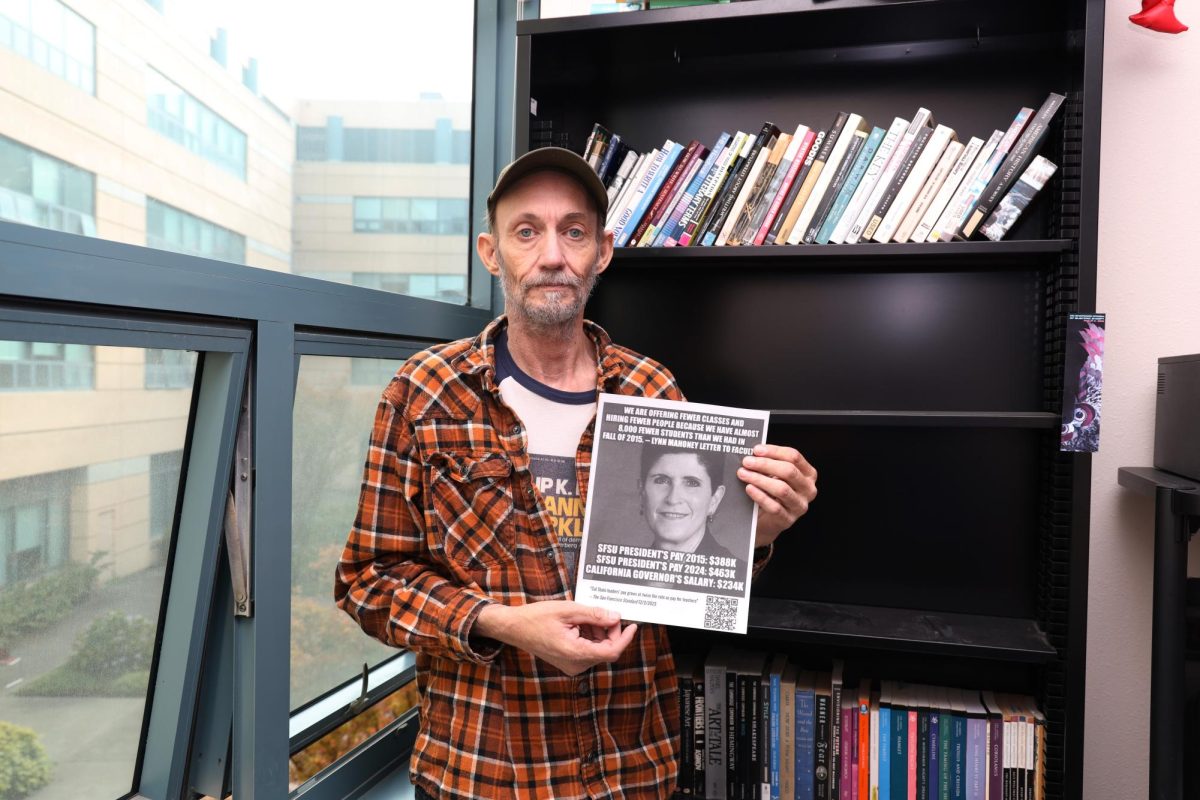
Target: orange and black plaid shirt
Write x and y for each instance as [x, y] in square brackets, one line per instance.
[449, 521]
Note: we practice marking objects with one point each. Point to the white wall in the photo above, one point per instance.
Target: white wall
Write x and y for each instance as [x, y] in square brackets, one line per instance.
[1149, 285]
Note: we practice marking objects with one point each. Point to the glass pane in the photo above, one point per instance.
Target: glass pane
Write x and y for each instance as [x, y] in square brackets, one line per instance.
[378, 91]
[87, 496]
[335, 407]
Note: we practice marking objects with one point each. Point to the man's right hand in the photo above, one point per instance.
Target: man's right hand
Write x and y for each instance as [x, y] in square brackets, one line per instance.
[569, 635]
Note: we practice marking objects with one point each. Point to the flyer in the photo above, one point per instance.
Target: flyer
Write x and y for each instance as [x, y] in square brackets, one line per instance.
[668, 533]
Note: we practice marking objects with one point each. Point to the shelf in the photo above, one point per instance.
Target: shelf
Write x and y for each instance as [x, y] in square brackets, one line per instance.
[916, 419]
[882, 256]
[908, 630]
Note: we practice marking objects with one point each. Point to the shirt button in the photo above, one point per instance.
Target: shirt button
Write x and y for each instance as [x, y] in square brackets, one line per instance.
[529, 491]
[583, 688]
[516, 430]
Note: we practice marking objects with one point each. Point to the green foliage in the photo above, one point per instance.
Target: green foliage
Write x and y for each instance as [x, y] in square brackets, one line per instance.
[113, 645]
[69, 682]
[24, 765]
[38, 604]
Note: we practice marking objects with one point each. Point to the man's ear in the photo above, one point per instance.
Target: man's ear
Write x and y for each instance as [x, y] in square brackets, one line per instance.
[606, 251]
[485, 245]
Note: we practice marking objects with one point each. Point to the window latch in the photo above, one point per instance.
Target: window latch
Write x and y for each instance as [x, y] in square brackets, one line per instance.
[360, 702]
[237, 517]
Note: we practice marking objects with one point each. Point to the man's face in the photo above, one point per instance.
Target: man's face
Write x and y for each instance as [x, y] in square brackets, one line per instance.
[547, 248]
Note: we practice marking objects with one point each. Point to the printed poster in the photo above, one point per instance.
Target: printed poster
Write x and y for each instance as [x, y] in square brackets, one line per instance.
[1083, 379]
[668, 532]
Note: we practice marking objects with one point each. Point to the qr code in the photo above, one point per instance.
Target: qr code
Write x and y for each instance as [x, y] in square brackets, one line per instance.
[720, 613]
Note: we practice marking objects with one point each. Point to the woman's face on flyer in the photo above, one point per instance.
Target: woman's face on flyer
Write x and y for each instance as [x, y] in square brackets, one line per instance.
[677, 498]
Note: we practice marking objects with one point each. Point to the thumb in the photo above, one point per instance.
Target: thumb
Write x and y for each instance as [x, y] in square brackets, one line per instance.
[592, 615]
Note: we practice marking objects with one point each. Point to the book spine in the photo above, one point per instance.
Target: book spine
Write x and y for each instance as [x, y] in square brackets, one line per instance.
[845, 753]
[971, 197]
[935, 751]
[976, 769]
[932, 186]
[774, 748]
[1015, 163]
[695, 215]
[944, 221]
[760, 223]
[870, 178]
[739, 202]
[895, 161]
[742, 158]
[850, 187]
[591, 140]
[715, 711]
[836, 690]
[864, 747]
[611, 153]
[733, 738]
[687, 205]
[898, 775]
[834, 190]
[797, 184]
[666, 190]
[995, 758]
[945, 760]
[961, 167]
[596, 150]
[734, 189]
[699, 752]
[687, 707]
[1018, 199]
[652, 181]
[911, 744]
[805, 743]
[883, 779]
[821, 747]
[893, 188]
[787, 740]
[628, 164]
[906, 193]
[958, 756]
[923, 725]
[739, 233]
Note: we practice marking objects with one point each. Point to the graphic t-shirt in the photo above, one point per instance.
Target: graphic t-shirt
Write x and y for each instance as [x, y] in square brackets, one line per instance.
[554, 421]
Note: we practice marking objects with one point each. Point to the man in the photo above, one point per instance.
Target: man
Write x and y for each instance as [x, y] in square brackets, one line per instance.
[455, 555]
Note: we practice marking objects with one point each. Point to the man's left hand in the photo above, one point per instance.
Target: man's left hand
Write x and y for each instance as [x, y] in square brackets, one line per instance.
[782, 483]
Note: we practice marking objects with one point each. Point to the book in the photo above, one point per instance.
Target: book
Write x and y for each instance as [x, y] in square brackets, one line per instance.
[924, 734]
[897, 776]
[740, 231]
[976, 756]
[806, 722]
[781, 184]
[787, 732]
[985, 154]
[665, 191]
[810, 179]
[863, 778]
[984, 176]
[1032, 181]
[874, 767]
[870, 178]
[775, 670]
[688, 202]
[958, 746]
[699, 754]
[938, 204]
[910, 187]
[847, 740]
[652, 182]
[898, 155]
[823, 180]
[823, 711]
[834, 190]
[715, 724]
[616, 211]
[628, 163]
[932, 186]
[836, 687]
[1015, 163]
[695, 216]
[673, 197]
[863, 160]
[628, 561]
[796, 183]
[597, 135]
[733, 187]
[608, 162]
[747, 187]
[760, 220]
[892, 190]
[995, 747]
[684, 671]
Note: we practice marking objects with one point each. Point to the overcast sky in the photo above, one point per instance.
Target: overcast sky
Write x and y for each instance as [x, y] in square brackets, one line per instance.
[344, 50]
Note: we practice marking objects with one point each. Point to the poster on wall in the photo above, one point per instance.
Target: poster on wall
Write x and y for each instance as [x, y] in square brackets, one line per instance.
[668, 535]
[1083, 380]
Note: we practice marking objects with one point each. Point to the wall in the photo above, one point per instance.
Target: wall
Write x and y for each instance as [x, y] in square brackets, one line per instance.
[1149, 285]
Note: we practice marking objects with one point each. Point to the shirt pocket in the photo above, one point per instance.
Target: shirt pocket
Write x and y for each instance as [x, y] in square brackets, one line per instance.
[471, 503]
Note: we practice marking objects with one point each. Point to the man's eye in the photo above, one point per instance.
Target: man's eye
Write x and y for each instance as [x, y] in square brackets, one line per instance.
[575, 233]
[525, 233]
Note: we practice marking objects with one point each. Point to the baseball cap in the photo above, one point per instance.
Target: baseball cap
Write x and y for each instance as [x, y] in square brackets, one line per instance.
[554, 158]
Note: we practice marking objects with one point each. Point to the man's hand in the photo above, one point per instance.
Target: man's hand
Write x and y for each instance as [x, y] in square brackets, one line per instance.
[782, 483]
[571, 636]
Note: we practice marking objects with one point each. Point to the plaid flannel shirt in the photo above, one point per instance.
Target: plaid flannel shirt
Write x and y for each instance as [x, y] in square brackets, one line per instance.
[450, 520]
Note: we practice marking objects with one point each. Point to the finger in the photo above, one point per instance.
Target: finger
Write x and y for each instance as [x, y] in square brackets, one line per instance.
[580, 614]
[780, 489]
[765, 502]
[789, 454]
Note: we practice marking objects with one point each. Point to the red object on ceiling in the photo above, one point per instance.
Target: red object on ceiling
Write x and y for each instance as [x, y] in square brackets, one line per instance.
[1158, 15]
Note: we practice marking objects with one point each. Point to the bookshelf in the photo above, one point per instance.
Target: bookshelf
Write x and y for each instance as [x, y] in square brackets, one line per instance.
[923, 380]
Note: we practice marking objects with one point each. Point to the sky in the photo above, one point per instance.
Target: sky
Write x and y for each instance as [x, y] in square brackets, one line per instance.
[343, 50]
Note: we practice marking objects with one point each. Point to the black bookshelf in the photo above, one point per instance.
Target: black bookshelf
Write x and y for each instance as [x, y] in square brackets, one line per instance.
[923, 380]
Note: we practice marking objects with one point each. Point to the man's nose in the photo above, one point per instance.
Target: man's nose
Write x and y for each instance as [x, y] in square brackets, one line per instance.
[552, 252]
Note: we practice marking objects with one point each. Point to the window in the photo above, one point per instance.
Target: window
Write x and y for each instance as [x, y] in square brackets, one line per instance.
[386, 145]
[168, 228]
[428, 215]
[169, 369]
[447, 288]
[52, 36]
[45, 366]
[165, 471]
[40, 190]
[178, 115]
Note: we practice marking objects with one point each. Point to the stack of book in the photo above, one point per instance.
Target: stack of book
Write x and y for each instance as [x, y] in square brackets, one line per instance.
[758, 727]
[914, 181]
